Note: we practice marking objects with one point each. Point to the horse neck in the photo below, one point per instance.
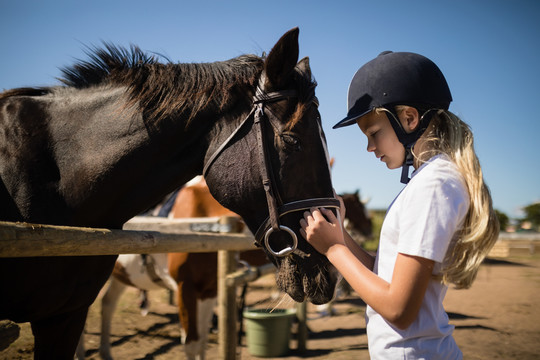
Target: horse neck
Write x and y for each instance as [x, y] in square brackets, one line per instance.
[116, 160]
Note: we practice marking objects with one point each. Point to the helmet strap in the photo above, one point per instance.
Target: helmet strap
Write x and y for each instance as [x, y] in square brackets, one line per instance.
[408, 139]
[409, 159]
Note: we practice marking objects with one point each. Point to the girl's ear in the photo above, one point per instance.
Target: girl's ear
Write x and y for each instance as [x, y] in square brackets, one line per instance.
[409, 118]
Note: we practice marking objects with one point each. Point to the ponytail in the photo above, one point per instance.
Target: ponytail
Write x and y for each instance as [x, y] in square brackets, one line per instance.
[480, 230]
[451, 136]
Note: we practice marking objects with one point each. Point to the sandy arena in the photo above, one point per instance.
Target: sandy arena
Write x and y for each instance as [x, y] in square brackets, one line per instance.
[498, 318]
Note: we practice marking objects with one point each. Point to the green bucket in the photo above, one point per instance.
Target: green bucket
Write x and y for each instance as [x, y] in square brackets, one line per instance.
[268, 331]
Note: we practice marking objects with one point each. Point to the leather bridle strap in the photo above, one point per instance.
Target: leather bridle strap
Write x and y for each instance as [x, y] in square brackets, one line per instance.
[300, 205]
[266, 176]
[258, 100]
[275, 207]
[226, 142]
[272, 222]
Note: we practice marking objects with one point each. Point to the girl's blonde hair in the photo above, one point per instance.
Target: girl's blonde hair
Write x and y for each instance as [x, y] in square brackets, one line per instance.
[453, 137]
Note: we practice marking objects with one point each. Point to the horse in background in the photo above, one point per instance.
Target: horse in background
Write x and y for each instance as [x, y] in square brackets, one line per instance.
[192, 276]
[357, 219]
[126, 130]
[196, 273]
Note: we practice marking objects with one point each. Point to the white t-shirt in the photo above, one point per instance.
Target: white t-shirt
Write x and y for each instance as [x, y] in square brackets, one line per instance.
[421, 221]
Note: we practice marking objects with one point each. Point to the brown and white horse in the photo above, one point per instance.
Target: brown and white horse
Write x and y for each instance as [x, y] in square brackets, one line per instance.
[192, 276]
[196, 273]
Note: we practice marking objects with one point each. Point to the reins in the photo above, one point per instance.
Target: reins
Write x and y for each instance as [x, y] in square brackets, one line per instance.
[276, 208]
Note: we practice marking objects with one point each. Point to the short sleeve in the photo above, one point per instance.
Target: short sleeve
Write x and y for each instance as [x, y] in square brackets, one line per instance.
[435, 206]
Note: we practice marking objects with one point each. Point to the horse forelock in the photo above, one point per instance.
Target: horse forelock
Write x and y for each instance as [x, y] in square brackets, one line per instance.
[164, 90]
[305, 85]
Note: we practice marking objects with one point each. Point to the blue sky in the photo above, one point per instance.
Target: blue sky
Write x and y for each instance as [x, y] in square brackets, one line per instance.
[489, 52]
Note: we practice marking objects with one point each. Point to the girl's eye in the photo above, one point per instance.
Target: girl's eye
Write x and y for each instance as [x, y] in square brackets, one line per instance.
[291, 141]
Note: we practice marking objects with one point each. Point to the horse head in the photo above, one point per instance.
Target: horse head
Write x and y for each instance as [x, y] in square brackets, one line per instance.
[357, 218]
[282, 138]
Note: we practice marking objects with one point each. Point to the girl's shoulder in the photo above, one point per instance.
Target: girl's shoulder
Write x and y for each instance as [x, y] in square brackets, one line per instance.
[439, 167]
[440, 175]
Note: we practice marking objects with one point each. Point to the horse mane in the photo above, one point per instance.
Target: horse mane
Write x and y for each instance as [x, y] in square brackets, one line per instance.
[165, 89]
[24, 91]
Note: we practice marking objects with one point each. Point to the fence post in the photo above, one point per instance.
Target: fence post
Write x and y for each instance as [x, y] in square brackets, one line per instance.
[227, 337]
[302, 334]
[227, 329]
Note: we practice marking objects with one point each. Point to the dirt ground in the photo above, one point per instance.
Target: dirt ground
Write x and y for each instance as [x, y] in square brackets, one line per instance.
[498, 318]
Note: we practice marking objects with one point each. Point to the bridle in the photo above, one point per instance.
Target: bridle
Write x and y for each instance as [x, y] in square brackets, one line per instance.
[276, 207]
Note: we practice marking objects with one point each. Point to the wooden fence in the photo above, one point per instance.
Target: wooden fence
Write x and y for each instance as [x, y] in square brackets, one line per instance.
[512, 244]
[143, 235]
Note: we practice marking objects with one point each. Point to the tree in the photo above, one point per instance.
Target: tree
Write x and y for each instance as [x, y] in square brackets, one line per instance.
[504, 220]
[532, 214]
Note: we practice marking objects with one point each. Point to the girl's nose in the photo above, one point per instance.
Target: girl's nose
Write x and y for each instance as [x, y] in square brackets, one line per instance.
[370, 146]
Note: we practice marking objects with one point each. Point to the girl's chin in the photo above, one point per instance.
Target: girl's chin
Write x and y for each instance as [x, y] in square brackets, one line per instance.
[389, 164]
[392, 166]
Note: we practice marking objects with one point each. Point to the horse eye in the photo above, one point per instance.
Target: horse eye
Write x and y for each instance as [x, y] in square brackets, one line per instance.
[291, 141]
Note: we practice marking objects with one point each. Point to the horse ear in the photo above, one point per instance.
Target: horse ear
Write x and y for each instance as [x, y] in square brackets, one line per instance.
[303, 67]
[282, 59]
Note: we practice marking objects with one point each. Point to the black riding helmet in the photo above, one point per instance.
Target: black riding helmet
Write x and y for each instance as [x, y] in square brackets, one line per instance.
[398, 78]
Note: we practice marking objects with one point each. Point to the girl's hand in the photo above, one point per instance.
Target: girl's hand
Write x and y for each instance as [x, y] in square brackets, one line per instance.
[321, 233]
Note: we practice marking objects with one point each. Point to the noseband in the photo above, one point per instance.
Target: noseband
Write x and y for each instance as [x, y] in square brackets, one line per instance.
[276, 208]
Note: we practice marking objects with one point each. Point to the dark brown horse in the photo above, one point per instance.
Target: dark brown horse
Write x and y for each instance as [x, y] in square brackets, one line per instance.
[125, 131]
[357, 220]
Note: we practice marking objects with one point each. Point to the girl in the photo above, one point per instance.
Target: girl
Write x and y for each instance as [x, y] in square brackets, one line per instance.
[438, 229]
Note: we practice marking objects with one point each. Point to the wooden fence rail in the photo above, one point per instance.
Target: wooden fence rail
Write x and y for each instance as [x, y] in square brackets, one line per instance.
[25, 239]
[520, 243]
